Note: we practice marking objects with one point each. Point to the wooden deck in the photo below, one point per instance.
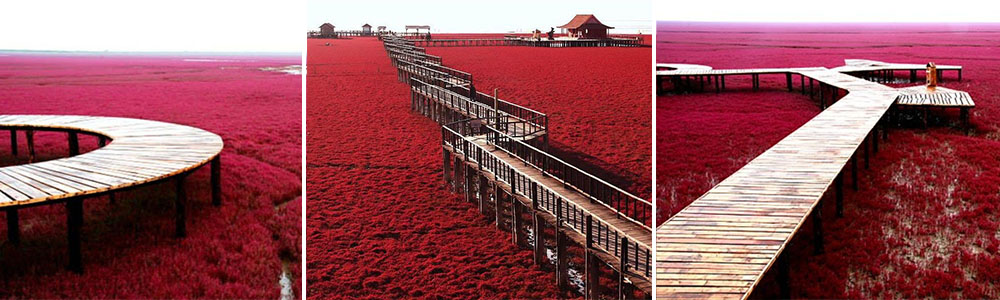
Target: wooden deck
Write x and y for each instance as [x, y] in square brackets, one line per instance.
[134, 152]
[721, 245]
[494, 153]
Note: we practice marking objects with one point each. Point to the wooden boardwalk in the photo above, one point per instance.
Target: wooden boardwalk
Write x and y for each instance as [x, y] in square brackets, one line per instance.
[721, 245]
[494, 153]
[133, 153]
[529, 42]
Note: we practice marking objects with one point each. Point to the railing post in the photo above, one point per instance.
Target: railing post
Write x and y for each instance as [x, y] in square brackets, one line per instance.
[622, 268]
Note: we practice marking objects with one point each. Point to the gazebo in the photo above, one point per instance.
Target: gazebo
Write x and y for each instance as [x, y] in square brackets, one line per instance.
[381, 29]
[366, 29]
[586, 26]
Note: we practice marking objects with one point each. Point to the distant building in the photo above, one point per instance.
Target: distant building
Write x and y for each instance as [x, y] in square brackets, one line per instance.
[366, 29]
[418, 28]
[586, 26]
[326, 30]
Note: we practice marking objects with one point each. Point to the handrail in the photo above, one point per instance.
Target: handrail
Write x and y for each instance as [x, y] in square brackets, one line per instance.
[583, 182]
[565, 211]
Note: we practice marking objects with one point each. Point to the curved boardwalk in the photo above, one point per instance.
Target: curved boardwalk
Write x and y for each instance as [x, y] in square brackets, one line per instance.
[134, 152]
[721, 244]
[494, 153]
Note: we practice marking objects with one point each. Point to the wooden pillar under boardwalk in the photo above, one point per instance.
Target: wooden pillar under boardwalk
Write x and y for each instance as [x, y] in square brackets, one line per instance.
[817, 215]
[216, 179]
[470, 181]
[484, 192]
[497, 194]
[782, 265]
[788, 79]
[622, 268]
[74, 144]
[179, 202]
[854, 172]
[456, 185]
[30, 134]
[867, 144]
[446, 167]
[590, 263]
[562, 259]
[13, 142]
[538, 226]
[839, 190]
[515, 221]
[74, 222]
[13, 227]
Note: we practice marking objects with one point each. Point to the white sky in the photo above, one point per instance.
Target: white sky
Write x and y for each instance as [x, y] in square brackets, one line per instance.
[850, 11]
[176, 25]
[454, 16]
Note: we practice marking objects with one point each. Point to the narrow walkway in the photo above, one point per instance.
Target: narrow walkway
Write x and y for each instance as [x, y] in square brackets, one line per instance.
[721, 245]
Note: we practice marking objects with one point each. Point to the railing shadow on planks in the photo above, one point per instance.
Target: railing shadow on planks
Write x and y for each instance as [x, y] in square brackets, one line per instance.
[494, 152]
[132, 153]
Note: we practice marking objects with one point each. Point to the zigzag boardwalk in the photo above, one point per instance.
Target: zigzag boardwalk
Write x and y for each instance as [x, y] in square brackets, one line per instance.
[494, 153]
[722, 243]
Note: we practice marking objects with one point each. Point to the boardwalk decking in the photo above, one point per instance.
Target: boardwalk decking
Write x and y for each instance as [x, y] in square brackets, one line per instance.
[494, 152]
[721, 245]
[134, 152]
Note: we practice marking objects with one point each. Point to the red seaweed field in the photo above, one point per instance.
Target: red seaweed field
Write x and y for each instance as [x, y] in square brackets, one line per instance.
[924, 222]
[380, 222]
[238, 250]
[599, 122]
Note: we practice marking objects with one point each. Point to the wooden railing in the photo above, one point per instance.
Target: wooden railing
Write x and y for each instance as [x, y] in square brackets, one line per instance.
[636, 259]
[624, 204]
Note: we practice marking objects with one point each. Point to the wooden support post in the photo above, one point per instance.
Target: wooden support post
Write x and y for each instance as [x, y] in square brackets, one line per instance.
[13, 142]
[964, 116]
[589, 266]
[788, 79]
[854, 171]
[447, 167]
[817, 215]
[539, 247]
[30, 134]
[456, 185]
[622, 268]
[723, 82]
[102, 141]
[867, 142]
[783, 284]
[839, 189]
[179, 203]
[515, 221]
[13, 227]
[659, 85]
[484, 192]
[959, 74]
[802, 83]
[469, 181]
[74, 222]
[216, 169]
[913, 75]
[811, 93]
[497, 193]
[562, 259]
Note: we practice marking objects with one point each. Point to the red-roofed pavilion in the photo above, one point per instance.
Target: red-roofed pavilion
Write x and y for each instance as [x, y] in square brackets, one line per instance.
[586, 26]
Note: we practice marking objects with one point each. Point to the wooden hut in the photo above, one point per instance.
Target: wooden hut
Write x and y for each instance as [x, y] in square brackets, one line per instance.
[586, 26]
[326, 30]
[366, 29]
